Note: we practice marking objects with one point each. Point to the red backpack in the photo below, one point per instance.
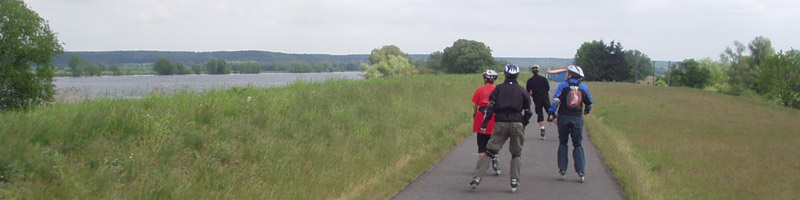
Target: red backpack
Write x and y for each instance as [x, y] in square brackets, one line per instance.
[574, 97]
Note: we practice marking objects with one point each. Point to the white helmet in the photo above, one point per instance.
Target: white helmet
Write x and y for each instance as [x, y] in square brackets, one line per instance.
[490, 74]
[576, 71]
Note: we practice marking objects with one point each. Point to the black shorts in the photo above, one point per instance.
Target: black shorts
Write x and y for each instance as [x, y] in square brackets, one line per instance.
[483, 139]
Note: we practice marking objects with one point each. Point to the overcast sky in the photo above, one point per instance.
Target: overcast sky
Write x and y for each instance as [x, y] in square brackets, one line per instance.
[662, 29]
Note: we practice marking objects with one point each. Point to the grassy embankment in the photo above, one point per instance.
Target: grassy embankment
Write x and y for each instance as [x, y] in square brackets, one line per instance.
[681, 143]
[338, 139]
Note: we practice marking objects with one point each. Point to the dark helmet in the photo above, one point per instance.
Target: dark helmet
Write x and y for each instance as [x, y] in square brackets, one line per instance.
[535, 68]
[490, 74]
[511, 71]
[576, 71]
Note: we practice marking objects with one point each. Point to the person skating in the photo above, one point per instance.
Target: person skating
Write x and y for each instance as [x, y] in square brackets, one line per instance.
[507, 103]
[571, 101]
[480, 100]
[539, 89]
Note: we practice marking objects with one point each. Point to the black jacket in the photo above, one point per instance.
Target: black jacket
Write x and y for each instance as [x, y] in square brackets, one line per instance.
[540, 87]
[507, 102]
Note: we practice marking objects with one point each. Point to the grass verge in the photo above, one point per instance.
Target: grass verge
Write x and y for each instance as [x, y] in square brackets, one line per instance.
[681, 143]
[343, 139]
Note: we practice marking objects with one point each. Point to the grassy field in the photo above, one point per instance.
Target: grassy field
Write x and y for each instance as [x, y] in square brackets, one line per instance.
[681, 143]
[349, 139]
[346, 139]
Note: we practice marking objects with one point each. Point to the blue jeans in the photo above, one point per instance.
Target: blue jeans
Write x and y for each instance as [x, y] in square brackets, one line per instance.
[571, 126]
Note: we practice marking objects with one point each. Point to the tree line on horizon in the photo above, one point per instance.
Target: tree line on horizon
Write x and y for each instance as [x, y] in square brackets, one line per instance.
[165, 66]
[764, 72]
[28, 69]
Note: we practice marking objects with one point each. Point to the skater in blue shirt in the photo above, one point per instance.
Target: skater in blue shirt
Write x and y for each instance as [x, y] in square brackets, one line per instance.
[571, 101]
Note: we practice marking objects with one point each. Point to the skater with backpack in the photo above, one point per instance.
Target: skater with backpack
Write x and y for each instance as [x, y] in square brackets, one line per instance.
[481, 100]
[539, 89]
[571, 101]
[507, 103]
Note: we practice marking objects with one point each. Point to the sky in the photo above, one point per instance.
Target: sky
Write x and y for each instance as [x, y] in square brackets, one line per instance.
[662, 29]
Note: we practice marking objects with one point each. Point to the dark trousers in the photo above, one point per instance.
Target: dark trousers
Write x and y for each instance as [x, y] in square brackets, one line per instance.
[539, 104]
[483, 139]
[571, 126]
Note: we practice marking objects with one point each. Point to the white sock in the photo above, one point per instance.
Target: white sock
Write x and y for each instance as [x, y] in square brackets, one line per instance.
[542, 127]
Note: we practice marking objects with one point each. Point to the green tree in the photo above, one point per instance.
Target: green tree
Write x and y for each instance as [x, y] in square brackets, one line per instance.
[760, 49]
[660, 82]
[377, 55]
[370, 72]
[690, 74]
[467, 56]
[93, 69]
[780, 76]
[218, 66]
[249, 68]
[197, 69]
[434, 61]
[639, 63]
[76, 65]
[101, 67]
[601, 62]
[718, 80]
[90, 68]
[115, 70]
[27, 46]
[181, 69]
[165, 66]
[388, 65]
[741, 76]
[325, 66]
[301, 67]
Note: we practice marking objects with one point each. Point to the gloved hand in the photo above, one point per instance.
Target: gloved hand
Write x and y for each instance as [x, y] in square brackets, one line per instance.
[550, 116]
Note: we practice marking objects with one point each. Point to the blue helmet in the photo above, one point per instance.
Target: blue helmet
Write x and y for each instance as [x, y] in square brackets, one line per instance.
[511, 71]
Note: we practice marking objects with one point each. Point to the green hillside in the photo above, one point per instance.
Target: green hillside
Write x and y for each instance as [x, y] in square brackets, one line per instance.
[681, 143]
[355, 139]
[338, 139]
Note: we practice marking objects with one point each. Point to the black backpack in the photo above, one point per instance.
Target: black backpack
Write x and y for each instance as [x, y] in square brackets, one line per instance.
[574, 99]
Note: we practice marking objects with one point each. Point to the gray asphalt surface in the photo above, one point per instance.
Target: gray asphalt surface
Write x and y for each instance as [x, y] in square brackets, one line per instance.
[450, 177]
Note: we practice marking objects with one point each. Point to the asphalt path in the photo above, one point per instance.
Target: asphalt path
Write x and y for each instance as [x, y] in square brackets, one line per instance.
[539, 179]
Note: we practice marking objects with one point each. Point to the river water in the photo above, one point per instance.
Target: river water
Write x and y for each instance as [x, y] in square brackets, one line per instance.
[72, 88]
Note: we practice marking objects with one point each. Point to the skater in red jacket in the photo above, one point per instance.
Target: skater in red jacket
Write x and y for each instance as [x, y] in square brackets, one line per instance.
[481, 100]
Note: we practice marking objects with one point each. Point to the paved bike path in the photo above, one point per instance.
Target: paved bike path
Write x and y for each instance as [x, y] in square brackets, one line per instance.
[539, 179]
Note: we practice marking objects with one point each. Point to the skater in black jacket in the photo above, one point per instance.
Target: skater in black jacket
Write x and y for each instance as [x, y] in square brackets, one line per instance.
[507, 103]
[539, 89]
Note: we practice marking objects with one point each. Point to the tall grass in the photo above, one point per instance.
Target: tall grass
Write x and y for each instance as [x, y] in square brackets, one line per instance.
[337, 139]
[681, 143]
